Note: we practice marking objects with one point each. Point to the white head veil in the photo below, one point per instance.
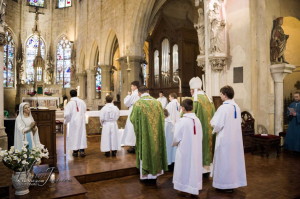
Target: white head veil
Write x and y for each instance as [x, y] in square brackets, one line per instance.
[21, 127]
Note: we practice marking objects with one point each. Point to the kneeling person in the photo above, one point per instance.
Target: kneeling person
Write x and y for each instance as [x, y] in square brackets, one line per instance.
[109, 115]
[188, 162]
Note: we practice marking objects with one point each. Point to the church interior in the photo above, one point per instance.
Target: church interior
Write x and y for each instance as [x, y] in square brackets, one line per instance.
[49, 47]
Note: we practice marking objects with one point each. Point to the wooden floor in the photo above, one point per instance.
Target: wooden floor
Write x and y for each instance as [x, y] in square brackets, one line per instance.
[268, 178]
[96, 176]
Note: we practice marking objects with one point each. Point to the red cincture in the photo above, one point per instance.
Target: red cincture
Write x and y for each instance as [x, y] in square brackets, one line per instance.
[194, 127]
[77, 107]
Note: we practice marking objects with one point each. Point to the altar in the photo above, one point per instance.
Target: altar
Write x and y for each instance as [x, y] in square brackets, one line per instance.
[43, 102]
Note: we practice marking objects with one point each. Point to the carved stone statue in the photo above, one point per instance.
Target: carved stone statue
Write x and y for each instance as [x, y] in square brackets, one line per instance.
[200, 30]
[278, 42]
[217, 25]
[50, 71]
[2, 10]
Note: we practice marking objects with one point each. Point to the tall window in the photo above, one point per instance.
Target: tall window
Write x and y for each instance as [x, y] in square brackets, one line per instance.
[64, 3]
[31, 52]
[98, 73]
[165, 64]
[156, 67]
[63, 62]
[175, 58]
[9, 55]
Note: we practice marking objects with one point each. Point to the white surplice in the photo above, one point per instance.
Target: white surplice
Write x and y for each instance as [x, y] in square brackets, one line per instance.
[163, 100]
[174, 110]
[109, 115]
[187, 175]
[22, 128]
[74, 114]
[229, 163]
[129, 138]
[169, 133]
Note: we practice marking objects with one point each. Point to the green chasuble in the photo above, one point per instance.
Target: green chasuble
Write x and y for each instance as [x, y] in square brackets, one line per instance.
[204, 109]
[147, 117]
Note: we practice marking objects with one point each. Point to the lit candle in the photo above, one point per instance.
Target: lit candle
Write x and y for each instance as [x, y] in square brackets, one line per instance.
[203, 84]
[128, 61]
[52, 178]
[78, 90]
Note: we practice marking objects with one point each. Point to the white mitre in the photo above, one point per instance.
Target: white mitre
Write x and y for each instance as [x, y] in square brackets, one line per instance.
[195, 83]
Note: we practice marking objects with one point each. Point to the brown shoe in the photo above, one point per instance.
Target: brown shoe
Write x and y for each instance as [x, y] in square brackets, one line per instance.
[82, 154]
[107, 154]
[114, 153]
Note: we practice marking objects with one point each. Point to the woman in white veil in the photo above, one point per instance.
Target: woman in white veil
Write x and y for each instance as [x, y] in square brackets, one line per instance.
[25, 128]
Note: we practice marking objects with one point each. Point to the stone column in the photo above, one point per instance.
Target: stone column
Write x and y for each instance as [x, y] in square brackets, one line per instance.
[106, 81]
[3, 136]
[82, 84]
[217, 65]
[279, 71]
[129, 73]
[91, 87]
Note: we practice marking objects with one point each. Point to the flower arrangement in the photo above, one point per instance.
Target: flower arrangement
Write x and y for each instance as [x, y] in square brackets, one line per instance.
[49, 93]
[31, 93]
[25, 159]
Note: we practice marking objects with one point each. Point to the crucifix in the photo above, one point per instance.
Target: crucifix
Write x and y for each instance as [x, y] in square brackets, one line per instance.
[35, 29]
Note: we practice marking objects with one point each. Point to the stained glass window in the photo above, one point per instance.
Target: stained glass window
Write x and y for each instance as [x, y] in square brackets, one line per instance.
[63, 62]
[98, 80]
[31, 52]
[98, 73]
[36, 3]
[9, 54]
[64, 3]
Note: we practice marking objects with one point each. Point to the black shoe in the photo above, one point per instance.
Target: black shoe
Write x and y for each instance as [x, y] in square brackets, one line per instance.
[131, 150]
[107, 154]
[82, 154]
[75, 154]
[225, 190]
[114, 153]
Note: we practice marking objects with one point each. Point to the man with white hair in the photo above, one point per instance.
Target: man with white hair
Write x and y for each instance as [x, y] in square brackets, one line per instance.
[204, 110]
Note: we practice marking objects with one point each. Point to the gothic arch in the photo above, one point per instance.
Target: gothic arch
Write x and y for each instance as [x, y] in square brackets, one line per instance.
[46, 46]
[108, 51]
[93, 55]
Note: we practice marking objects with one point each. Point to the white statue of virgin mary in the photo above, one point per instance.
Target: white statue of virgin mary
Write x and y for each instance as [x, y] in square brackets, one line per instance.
[25, 128]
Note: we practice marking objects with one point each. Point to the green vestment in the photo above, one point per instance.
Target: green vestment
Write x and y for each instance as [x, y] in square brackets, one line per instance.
[147, 117]
[204, 109]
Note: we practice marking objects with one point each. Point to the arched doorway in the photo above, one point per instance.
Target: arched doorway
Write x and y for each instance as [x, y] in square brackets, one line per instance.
[173, 47]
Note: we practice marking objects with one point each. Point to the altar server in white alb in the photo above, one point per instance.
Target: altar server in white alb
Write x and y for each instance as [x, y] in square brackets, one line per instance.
[229, 163]
[169, 133]
[109, 115]
[162, 99]
[74, 115]
[129, 138]
[173, 108]
[187, 175]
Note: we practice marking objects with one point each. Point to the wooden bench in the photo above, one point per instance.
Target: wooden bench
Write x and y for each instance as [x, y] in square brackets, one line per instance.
[266, 143]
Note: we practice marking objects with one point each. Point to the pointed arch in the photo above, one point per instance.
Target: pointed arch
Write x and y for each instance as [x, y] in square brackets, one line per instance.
[94, 55]
[10, 50]
[110, 47]
[31, 49]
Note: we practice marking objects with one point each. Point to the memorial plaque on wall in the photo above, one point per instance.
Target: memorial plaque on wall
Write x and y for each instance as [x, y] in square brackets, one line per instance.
[238, 75]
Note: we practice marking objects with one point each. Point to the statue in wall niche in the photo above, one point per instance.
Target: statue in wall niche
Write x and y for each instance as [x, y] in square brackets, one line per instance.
[200, 30]
[50, 71]
[217, 25]
[278, 42]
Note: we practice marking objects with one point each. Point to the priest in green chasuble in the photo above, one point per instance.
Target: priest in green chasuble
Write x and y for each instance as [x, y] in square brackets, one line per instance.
[204, 109]
[147, 117]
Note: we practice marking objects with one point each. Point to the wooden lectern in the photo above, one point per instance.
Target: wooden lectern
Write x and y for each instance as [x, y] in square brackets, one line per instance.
[45, 120]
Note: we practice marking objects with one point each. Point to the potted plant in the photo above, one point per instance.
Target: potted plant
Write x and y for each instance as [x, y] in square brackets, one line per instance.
[31, 93]
[22, 162]
[48, 93]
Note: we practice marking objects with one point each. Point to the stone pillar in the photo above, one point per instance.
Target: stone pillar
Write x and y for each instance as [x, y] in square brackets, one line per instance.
[91, 87]
[279, 71]
[106, 80]
[129, 73]
[82, 84]
[217, 66]
[3, 136]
